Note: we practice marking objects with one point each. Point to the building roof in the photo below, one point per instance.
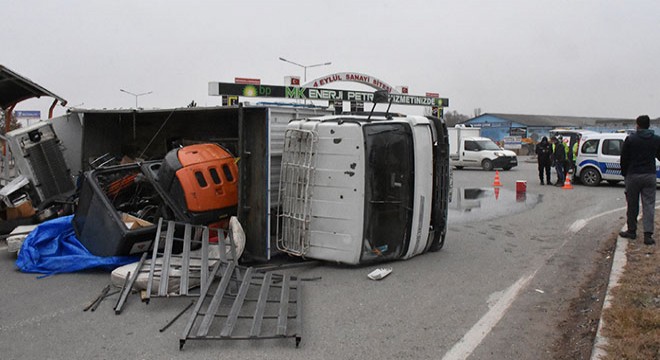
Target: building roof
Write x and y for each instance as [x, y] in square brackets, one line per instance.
[15, 88]
[556, 121]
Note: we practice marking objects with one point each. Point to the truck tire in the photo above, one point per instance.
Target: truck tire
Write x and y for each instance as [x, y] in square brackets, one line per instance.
[438, 243]
[487, 165]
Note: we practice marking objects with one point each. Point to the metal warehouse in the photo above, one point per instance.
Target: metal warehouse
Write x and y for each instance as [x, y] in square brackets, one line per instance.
[534, 127]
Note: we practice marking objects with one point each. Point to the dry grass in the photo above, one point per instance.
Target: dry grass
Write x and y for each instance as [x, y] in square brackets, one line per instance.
[632, 323]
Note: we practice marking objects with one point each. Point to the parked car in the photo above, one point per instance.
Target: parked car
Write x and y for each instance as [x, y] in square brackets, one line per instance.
[598, 159]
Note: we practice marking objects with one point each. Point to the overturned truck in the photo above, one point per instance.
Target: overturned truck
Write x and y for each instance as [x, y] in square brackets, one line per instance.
[345, 188]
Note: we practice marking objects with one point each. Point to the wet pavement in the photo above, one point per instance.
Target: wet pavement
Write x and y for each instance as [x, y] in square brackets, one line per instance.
[477, 204]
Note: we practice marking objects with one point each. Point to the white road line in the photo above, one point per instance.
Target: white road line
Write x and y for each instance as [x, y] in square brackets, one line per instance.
[464, 347]
[579, 224]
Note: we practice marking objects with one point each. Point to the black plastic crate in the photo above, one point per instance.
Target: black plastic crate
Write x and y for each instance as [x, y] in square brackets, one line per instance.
[105, 195]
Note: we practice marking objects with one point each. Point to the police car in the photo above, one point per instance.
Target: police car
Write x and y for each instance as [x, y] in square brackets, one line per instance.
[598, 159]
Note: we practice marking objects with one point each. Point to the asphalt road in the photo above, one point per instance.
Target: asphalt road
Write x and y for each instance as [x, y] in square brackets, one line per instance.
[493, 292]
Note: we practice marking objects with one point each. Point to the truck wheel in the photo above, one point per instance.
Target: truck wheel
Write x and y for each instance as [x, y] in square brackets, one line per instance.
[438, 244]
[487, 165]
[590, 177]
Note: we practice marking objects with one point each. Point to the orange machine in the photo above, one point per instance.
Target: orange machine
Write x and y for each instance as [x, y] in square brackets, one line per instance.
[201, 179]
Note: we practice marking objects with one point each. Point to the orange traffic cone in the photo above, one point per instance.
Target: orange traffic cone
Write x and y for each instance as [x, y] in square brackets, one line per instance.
[497, 179]
[567, 183]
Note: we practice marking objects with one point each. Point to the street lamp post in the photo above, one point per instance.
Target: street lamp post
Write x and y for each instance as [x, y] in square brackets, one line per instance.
[136, 95]
[305, 67]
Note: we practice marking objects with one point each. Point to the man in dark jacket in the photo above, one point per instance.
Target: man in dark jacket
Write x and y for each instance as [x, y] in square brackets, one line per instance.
[638, 155]
[558, 159]
[543, 158]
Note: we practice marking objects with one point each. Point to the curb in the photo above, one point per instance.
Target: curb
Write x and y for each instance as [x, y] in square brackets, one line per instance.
[618, 263]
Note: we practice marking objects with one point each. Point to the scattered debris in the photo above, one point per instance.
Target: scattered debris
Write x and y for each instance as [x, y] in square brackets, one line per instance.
[539, 291]
[379, 274]
[17, 236]
[128, 285]
[97, 301]
[177, 317]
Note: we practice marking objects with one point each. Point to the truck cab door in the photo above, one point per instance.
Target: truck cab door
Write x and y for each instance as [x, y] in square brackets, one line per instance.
[470, 153]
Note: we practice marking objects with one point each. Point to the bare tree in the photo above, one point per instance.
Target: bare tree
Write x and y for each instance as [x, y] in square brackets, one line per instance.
[453, 117]
[477, 112]
[13, 123]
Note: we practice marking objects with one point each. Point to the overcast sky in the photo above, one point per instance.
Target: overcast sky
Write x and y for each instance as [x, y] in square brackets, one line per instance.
[576, 58]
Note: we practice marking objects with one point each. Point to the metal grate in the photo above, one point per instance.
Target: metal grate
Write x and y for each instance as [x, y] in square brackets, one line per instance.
[50, 170]
[184, 258]
[266, 306]
[295, 193]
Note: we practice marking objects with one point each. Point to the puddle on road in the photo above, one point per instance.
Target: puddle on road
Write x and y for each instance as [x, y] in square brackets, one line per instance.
[474, 204]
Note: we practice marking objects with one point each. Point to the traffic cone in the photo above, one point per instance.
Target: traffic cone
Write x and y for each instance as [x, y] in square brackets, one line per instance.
[497, 179]
[497, 193]
[567, 183]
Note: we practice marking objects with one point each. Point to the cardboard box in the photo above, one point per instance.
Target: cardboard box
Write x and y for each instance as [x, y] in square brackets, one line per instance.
[21, 211]
[133, 223]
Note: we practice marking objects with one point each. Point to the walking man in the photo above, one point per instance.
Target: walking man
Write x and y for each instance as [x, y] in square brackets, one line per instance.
[638, 155]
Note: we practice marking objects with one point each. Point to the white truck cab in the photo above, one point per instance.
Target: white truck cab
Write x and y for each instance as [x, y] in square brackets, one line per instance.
[356, 189]
[468, 149]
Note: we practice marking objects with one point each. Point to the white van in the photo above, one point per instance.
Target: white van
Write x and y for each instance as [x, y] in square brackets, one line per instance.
[468, 149]
[598, 159]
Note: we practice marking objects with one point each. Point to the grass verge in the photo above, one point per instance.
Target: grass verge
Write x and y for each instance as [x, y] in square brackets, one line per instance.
[632, 323]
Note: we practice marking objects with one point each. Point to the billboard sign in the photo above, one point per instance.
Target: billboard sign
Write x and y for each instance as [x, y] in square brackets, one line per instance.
[310, 93]
[27, 114]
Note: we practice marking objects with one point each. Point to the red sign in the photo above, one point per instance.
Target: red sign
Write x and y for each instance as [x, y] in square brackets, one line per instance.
[404, 89]
[295, 81]
[247, 81]
[433, 95]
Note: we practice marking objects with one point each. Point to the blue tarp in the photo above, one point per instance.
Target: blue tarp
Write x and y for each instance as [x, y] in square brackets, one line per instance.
[53, 248]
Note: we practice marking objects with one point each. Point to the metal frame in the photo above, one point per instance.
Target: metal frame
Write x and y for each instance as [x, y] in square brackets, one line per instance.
[246, 313]
[295, 196]
[188, 236]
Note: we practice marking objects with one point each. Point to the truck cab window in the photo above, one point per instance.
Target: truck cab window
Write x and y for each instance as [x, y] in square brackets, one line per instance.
[388, 191]
[471, 146]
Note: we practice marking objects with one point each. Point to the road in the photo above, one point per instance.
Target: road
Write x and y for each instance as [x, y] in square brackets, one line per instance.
[495, 291]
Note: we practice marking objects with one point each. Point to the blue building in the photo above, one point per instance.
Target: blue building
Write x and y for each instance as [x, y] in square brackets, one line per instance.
[534, 127]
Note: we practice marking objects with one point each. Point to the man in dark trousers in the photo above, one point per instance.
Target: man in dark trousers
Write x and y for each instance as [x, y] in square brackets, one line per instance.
[543, 151]
[638, 155]
[558, 159]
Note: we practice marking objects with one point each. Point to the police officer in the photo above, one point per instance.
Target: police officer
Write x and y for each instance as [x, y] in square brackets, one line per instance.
[543, 152]
[558, 159]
